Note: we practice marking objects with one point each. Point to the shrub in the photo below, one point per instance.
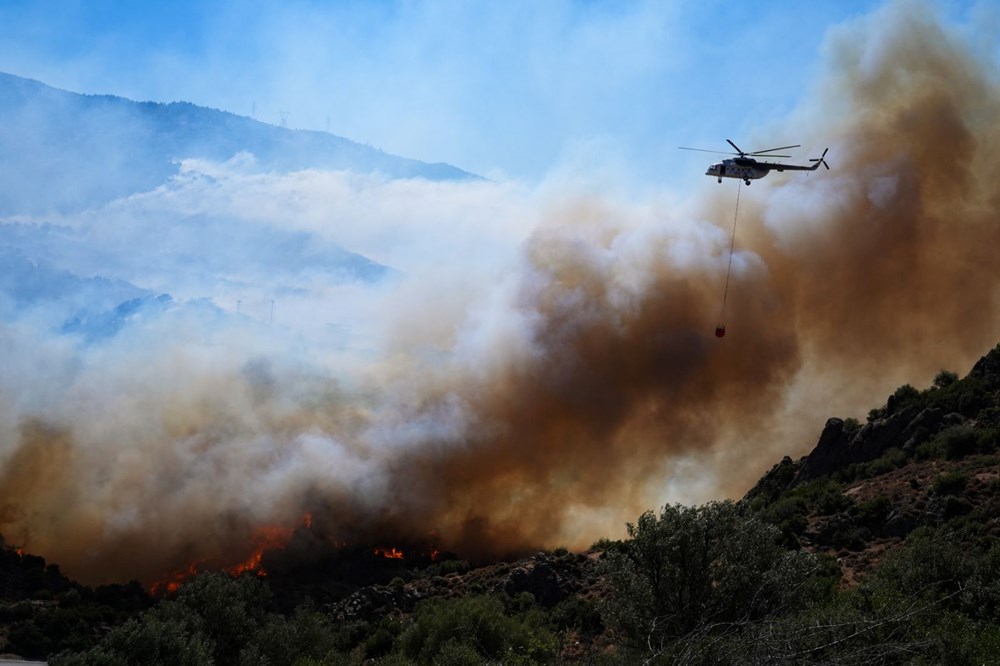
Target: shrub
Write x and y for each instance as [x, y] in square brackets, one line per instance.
[456, 630]
[851, 425]
[692, 568]
[959, 441]
[447, 567]
[944, 379]
[788, 514]
[892, 459]
[213, 620]
[950, 483]
[904, 396]
[872, 513]
[579, 614]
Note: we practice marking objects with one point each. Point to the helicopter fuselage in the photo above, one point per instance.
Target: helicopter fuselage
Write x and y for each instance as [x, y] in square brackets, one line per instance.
[743, 168]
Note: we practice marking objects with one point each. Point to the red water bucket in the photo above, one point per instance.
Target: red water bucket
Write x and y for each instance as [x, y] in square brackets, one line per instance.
[720, 331]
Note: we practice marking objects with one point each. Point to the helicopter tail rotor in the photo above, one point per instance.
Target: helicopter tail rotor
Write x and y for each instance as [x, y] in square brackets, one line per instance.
[820, 160]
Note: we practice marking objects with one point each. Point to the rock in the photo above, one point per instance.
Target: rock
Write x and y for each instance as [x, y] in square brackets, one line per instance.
[834, 451]
[899, 524]
[541, 580]
[826, 457]
[774, 482]
[988, 369]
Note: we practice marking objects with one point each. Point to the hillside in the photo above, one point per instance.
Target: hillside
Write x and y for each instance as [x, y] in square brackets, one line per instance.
[925, 460]
[881, 544]
[64, 151]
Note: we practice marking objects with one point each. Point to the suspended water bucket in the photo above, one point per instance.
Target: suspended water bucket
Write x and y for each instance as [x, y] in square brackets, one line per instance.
[720, 331]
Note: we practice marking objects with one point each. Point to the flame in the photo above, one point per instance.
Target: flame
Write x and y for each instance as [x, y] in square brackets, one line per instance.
[397, 554]
[19, 551]
[172, 583]
[265, 538]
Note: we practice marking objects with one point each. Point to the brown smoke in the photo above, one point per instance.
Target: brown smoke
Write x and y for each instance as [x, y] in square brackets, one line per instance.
[848, 282]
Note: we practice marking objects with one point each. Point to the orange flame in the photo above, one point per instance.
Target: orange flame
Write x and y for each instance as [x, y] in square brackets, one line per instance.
[265, 538]
[172, 583]
[19, 551]
[397, 554]
[390, 553]
[268, 537]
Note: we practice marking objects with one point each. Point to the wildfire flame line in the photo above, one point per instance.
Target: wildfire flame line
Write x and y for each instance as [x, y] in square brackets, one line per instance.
[263, 539]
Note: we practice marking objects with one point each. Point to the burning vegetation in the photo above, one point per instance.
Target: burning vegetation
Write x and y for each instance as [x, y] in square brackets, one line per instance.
[289, 549]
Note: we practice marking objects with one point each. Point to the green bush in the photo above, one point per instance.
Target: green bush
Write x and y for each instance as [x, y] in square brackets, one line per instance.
[950, 483]
[788, 514]
[872, 513]
[447, 567]
[381, 641]
[692, 568]
[889, 461]
[455, 630]
[577, 614]
[945, 379]
[905, 396]
[960, 441]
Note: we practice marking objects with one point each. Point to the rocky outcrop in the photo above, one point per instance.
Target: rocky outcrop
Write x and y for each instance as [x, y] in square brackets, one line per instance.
[775, 481]
[904, 429]
[988, 369]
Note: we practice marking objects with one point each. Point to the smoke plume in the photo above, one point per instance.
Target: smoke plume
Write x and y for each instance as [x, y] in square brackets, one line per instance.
[549, 389]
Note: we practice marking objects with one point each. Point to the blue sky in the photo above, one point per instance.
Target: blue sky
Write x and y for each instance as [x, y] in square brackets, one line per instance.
[506, 89]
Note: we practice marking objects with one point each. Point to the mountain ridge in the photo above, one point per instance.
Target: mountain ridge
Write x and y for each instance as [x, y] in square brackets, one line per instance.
[106, 146]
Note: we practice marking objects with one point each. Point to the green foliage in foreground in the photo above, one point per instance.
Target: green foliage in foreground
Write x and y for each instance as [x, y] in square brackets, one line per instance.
[705, 585]
[475, 630]
[214, 620]
[701, 571]
[219, 620]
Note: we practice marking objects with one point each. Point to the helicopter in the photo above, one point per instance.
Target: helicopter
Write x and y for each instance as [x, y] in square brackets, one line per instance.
[745, 167]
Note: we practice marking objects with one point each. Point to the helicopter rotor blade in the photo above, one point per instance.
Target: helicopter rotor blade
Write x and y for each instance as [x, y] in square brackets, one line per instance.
[760, 152]
[702, 150]
[729, 141]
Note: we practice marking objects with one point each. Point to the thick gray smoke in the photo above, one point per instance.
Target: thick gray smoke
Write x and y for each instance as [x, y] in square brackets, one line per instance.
[544, 366]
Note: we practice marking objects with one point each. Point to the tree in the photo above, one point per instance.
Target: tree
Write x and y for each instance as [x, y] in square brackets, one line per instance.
[945, 378]
[696, 571]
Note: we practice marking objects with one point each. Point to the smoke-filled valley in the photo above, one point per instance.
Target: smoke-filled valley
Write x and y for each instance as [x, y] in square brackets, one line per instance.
[197, 368]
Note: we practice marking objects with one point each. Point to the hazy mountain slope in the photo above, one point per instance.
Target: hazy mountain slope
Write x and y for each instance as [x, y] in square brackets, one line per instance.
[98, 222]
[63, 151]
